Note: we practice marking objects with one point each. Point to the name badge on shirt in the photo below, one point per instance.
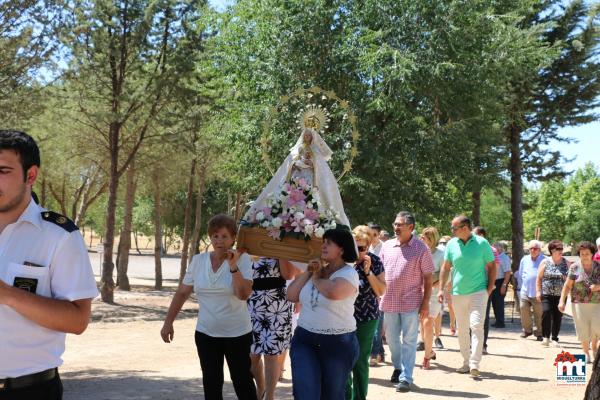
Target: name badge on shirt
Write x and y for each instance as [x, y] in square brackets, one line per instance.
[27, 284]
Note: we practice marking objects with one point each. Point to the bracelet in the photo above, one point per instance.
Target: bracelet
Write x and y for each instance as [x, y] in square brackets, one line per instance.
[369, 273]
[233, 271]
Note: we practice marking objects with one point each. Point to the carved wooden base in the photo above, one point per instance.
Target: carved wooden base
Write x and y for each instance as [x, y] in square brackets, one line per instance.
[259, 243]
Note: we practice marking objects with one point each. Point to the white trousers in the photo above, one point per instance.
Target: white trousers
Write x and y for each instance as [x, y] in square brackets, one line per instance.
[470, 315]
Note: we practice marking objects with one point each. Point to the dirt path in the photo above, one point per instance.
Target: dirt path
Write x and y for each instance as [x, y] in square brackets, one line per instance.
[121, 356]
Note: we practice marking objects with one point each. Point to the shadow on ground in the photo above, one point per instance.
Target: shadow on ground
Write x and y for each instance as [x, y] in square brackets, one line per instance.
[104, 384]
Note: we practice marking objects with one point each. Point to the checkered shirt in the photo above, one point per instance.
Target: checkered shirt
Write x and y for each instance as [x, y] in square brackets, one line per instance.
[405, 265]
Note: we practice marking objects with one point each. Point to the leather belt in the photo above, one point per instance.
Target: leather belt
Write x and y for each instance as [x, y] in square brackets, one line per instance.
[268, 283]
[28, 380]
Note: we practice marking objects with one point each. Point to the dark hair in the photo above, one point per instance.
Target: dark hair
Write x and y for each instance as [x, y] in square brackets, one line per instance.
[480, 230]
[222, 221]
[375, 226]
[22, 144]
[463, 220]
[407, 217]
[343, 238]
[586, 245]
[553, 244]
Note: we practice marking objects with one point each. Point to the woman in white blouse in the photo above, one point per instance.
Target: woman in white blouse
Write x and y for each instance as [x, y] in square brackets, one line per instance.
[222, 281]
[324, 346]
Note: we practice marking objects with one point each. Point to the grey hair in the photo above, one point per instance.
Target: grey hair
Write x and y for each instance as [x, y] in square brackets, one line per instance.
[535, 243]
[407, 217]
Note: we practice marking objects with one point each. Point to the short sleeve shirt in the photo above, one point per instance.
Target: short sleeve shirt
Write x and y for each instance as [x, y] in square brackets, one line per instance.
[581, 292]
[330, 317]
[468, 260]
[221, 313]
[405, 266]
[366, 307]
[504, 266]
[50, 261]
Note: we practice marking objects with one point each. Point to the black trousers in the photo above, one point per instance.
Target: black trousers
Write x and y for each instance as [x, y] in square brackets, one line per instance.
[49, 390]
[236, 350]
[551, 317]
[494, 297]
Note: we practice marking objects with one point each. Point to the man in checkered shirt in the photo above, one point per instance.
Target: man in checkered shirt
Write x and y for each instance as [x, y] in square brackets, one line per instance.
[408, 275]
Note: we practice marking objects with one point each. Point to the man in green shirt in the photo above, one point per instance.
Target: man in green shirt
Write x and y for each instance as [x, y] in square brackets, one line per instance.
[473, 273]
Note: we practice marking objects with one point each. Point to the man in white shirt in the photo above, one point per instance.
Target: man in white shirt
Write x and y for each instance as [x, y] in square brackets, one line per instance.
[46, 280]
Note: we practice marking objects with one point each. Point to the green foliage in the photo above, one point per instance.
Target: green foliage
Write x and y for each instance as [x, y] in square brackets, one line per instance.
[495, 212]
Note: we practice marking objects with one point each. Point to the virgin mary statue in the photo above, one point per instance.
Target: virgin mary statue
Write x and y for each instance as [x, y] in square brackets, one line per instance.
[306, 161]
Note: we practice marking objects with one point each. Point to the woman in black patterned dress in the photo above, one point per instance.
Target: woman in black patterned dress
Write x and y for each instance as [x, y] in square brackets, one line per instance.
[271, 315]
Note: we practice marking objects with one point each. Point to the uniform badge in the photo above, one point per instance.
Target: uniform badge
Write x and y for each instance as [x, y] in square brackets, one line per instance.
[27, 284]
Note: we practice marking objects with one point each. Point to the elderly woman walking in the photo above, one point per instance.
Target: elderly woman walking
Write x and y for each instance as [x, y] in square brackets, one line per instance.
[552, 274]
[366, 311]
[222, 281]
[583, 282]
[324, 346]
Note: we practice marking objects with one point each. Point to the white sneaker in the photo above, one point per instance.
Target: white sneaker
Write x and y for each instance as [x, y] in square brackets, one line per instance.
[546, 342]
[555, 343]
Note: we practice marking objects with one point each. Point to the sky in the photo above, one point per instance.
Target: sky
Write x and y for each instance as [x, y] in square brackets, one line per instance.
[586, 149]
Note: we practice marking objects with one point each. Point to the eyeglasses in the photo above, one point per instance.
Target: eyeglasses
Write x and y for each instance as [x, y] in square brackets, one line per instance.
[455, 228]
[534, 248]
[399, 224]
[361, 248]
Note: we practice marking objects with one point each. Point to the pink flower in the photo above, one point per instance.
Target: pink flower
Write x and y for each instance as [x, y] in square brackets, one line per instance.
[311, 214]
[296, 198]
[274, 233]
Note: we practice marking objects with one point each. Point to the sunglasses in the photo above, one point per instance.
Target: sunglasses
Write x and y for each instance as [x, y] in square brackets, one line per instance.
[361, 248]
[455, 228]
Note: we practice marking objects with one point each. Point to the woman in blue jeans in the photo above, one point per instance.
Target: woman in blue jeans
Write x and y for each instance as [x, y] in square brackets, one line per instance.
[324, 346]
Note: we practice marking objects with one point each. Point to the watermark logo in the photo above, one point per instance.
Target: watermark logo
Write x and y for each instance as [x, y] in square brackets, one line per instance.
[570, 369]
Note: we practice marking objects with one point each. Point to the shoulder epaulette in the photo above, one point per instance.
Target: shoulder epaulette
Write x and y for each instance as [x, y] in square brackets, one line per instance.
[59, 220]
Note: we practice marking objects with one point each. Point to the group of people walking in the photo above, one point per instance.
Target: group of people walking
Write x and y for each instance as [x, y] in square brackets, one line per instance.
[364, 288]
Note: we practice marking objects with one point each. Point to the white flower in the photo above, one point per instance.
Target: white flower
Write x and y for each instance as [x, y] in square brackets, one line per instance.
[260, 216]
[265, 224]
[276, 222]
[309, 205]
[319, 232]
[332, 225]
[309, 229]
[299, 215]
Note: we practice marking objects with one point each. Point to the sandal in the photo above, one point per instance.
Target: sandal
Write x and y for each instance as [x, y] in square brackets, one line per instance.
[426, 360]
[453, 331]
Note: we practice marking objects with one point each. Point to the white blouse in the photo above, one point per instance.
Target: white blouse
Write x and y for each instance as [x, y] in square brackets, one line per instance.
[221, 313]
[322, 315]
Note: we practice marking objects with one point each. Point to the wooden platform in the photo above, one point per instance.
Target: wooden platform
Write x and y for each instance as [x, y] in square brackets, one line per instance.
[259, 243]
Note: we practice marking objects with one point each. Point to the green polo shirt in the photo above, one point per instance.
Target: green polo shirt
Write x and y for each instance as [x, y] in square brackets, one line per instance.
[468, 264]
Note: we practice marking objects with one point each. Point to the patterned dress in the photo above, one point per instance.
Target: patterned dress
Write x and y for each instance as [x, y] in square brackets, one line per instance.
[270, 311]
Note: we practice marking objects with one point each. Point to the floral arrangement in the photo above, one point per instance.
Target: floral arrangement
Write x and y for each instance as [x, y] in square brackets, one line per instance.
[294, 211]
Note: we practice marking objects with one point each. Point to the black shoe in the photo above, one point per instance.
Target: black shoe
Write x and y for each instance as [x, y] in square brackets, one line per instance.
[395, 376]
[438, 343]
[539, 338]
[484, 351]
[420, 346]
[403, 387]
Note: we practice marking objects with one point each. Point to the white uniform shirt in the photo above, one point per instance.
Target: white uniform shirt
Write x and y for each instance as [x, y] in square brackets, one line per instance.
[54, 263]
[220, 314]
[331, 317]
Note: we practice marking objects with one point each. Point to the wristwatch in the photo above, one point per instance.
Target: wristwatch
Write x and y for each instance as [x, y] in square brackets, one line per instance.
[233, 271]
[369, 273]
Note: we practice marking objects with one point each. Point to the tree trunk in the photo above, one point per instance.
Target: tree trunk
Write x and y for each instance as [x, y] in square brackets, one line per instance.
[187, 221]
[137, 245]
[43, 193]
[125, 238]
[516, 199]
[107, 284]
[238, 206]
[198, 214]
[157, 232]
[476, 198]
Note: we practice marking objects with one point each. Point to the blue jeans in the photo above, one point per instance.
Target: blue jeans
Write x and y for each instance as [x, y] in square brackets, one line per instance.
[321, 364]
[403, 354]
[377, 349]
